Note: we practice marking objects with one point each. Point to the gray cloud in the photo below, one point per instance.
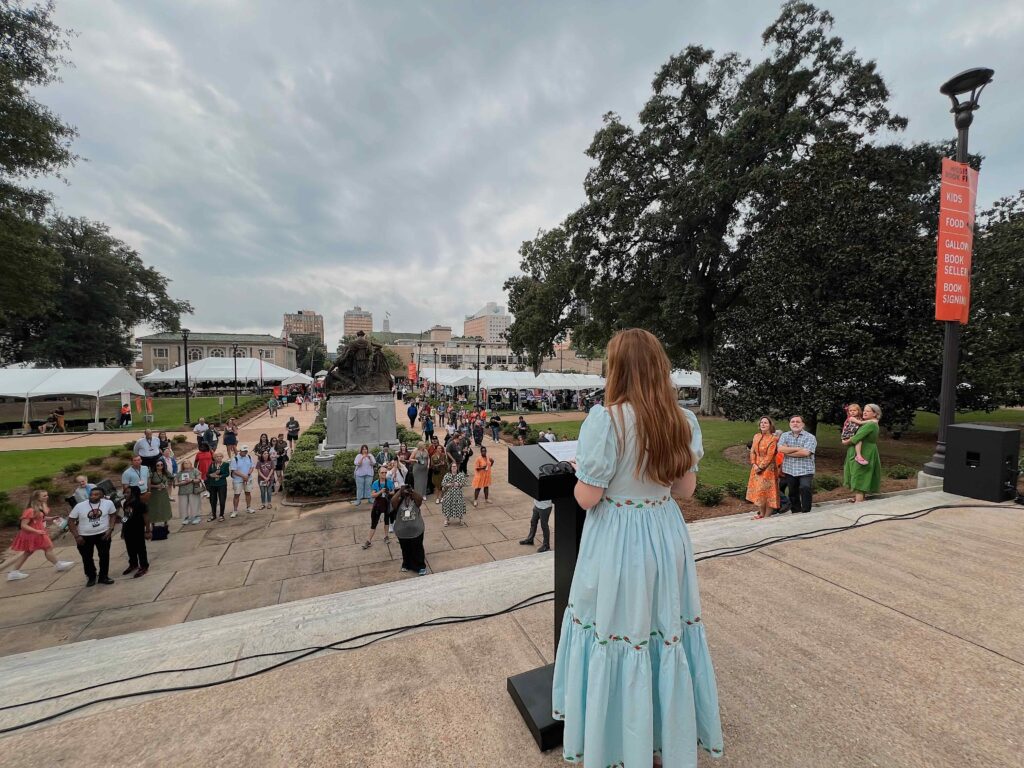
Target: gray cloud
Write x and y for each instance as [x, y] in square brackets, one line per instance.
[275, 156]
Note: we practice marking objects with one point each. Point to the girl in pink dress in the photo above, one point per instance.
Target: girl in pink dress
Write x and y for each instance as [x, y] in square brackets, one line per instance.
[32, 536]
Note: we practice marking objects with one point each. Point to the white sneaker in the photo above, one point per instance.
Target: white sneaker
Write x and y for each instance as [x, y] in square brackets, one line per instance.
[197, 520]
[391, 529]
[63, 565]
[250, 510]
[16, 575]
[186, 521]
[234, 513]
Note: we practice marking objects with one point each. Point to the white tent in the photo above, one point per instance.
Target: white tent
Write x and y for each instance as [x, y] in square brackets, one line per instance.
[513, 379]
[222, 369]
[298, 378]
[320, 374]
[29, 383]
[683, 378]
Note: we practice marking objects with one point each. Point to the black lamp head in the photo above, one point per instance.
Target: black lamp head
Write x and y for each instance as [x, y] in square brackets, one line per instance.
[185, 332]
[970, 81]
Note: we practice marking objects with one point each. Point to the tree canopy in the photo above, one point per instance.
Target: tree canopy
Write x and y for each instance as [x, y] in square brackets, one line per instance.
[753, 220]
[72, 294]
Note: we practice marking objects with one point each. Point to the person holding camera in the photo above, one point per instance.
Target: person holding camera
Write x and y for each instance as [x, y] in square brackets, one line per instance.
[409, 528]
[382, 490]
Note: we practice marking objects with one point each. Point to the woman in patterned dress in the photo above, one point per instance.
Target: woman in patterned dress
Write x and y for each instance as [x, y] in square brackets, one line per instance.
[763, 485]
[453, 503]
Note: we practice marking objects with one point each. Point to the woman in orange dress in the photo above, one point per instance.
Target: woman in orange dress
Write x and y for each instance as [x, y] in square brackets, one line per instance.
[32, 536]
[763, 485]
[482, 476]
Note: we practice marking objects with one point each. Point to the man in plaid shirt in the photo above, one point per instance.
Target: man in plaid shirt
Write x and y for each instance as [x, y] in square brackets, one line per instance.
[797, 448]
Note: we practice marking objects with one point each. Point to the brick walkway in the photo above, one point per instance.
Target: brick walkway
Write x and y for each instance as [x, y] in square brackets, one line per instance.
[252, 561]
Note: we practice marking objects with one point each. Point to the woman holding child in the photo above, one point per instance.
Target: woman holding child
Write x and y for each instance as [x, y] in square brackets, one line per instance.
[862, 472]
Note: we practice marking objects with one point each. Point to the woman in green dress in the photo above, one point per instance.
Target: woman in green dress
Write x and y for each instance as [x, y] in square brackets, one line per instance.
[867, 477]
[160, 483]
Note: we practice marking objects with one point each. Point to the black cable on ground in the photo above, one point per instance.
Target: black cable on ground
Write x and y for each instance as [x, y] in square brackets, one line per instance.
[378, 635]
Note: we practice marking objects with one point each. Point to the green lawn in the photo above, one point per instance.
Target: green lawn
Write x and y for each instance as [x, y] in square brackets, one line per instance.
[169, 412]
[18, 467]
[719, 434]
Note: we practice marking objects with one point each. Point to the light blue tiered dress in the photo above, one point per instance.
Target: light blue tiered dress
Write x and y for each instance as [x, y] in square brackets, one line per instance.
[633, 676]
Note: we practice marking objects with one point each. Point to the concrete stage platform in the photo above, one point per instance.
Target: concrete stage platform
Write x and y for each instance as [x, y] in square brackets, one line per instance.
[897, 644]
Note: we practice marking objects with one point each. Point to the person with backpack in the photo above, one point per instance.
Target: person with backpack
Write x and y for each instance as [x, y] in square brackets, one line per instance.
[409, 529]
[412, 411]
[381, 490]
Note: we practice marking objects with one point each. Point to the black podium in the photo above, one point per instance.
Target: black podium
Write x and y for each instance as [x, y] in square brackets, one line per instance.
[531, 691]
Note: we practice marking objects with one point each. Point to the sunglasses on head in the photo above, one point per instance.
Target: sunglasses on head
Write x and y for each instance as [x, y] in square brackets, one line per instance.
[561, 468]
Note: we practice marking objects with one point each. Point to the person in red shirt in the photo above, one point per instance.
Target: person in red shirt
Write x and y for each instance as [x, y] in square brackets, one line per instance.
[32, 536]
[204, 459]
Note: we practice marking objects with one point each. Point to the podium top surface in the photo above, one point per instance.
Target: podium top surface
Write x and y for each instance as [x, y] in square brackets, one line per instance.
[984, 427]
[524, 463]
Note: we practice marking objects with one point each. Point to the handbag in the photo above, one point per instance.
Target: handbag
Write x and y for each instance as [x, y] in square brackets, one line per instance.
[159, 532]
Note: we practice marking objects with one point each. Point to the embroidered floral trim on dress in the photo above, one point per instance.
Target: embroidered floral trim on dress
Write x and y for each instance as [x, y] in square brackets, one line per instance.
[637, 503]
[638, 645]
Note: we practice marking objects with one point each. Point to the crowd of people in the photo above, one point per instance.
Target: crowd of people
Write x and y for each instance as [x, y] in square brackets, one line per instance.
[782, 464]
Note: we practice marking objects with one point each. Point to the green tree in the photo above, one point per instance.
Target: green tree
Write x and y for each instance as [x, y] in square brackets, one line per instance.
[992, 344]
[663, 237]
[105, 291]
[310, 352]
[836, 303]
[33, 142]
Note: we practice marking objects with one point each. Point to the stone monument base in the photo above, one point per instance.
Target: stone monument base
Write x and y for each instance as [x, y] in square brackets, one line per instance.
[354, 420]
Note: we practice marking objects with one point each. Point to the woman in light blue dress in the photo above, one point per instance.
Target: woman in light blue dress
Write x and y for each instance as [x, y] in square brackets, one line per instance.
[633, 676]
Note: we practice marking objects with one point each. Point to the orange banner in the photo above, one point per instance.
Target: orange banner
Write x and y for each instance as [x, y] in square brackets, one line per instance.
[957, 196]
[412, 372]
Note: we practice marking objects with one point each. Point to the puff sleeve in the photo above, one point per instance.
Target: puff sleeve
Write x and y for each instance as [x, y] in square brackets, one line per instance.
[696, 439]
[597, 453]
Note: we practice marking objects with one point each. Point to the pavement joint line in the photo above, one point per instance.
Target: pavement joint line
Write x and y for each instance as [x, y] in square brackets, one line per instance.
[879, 603]
[525, 634]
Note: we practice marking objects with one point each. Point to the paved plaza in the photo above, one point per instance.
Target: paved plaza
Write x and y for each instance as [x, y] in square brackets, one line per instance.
[256, 560]
[894, 645]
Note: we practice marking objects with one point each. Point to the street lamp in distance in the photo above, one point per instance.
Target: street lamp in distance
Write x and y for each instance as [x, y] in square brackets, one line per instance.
[478, 345]
[234, 360]
[435, 371]
[184, 338]
[969, 83]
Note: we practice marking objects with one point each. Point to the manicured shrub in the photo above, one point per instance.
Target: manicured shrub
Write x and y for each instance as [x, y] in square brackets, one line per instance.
[735, 488]
[307, 442]
[901, 472]
[10, 515]
[116, 450]
[305, 479]
[130, 445]
[120, 465]
[95, 461]
[344, 466]
[43, 481]
[709, 495]
[180, 439]
[72, 468]
[826, 482]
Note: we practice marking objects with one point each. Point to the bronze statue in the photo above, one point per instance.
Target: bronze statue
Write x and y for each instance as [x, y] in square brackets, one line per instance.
[361, 368]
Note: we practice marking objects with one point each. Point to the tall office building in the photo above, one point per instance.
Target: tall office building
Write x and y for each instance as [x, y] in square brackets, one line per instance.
[489, 323]
[305, 322]
[357, 319]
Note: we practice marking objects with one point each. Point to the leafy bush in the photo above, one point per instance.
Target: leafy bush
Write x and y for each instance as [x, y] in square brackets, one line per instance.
[180, 439]
[130, 445]
[116, 450]
[307, 479]
[120, 465]
[408, 436]
[901, 472]
[344, 465]
[72, 468]
[826, 482]
[307, 442]
[735, 488]
[709, 495]
[95, 461]
[123, 453]
[9, 512]
[317, 428]
[43, 481]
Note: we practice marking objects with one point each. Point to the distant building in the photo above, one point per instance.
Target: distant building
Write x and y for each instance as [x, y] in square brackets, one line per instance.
[161, 351]
[357, 319]
[305, 322]
[386, 325]
[489, 323]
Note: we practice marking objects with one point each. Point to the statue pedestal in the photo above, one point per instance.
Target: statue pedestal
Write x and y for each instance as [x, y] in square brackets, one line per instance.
[354, 420]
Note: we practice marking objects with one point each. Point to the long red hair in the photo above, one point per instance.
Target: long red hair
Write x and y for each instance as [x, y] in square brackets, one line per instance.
[639, 374]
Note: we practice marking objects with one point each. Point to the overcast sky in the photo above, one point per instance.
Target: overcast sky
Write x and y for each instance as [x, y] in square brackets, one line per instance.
[274, 156]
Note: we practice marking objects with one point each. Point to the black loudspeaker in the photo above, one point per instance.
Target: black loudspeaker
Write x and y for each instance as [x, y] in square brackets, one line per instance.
[981, 462]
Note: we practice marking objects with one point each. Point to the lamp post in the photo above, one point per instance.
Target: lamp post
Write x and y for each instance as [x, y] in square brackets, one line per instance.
[184, 338]
[234, 360]
[435, 370]
[972, 82]
[478, 345]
